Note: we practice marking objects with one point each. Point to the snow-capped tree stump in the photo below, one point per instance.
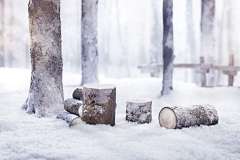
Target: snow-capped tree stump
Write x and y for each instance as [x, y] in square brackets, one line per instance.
[99, 104]
[73, 106]
[77, 94]
[71, 119]
[139, 110]
[177, 117]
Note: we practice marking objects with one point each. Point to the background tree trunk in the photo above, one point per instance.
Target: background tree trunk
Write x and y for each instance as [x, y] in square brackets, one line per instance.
[168, 55]
[46, 90]
[207, 36]
[89, 42]
[2, 34]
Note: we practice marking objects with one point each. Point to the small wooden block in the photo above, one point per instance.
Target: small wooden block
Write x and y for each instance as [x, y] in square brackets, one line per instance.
[139, 110]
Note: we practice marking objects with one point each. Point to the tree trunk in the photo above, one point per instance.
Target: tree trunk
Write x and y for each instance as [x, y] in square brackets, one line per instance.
[99, 104]
[2, 34]
[139, 110]
[71, 119]
[46, 90]
[73, 106]
[89, 42]
[177, 117]
[207, 35]
[168, 55]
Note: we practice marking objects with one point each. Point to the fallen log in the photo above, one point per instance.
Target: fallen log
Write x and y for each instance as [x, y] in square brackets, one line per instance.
[77, 94]
[73, 106]
[178, 117]
[139, 110]
[99, 104]
[71, 119]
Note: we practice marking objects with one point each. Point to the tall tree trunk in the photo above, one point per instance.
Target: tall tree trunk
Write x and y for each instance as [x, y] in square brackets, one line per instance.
[207, 35]
[11, 58]
[46, 90]
[168, 55]
[2, 34]
[156, 36]
[89, 42]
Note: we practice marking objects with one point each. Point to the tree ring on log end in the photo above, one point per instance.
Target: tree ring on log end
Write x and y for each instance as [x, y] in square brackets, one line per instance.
[76, 121]
[167, 118]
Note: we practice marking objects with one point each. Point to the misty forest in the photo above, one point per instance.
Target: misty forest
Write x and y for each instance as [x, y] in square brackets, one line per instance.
[119, 79]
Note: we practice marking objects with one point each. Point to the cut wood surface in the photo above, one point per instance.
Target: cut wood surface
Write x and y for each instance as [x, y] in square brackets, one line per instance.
[71, 119]
[139, 110]
[179, 117]
[73, 106]
[77, 94]
[99, 104]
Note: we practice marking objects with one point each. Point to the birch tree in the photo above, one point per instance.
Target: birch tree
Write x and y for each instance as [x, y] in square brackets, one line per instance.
[2, 33]
[207, 35]
[46, 90]
[89, 42]
[168, 55]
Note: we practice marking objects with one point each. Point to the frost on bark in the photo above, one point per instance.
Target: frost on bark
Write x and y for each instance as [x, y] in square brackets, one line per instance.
[1, 33]
[168, 55]
[46, 90]
[207, 35]
[99, 104]
[89, 42]
[178, 117]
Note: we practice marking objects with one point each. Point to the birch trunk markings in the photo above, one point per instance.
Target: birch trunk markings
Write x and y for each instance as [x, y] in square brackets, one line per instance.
[89, 42]
[46, 90]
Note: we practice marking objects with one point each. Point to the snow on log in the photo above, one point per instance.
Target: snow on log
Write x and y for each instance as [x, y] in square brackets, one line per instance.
[73, 106]
[77, 94]
[71, 119]
[99, 104]
[139, 110]
[178, 117]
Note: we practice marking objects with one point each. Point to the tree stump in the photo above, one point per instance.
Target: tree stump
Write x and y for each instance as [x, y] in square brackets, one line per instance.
[77, 94]
[99, 104]
[71, 119]
[177, 117]
[73, 106]
[139, 110]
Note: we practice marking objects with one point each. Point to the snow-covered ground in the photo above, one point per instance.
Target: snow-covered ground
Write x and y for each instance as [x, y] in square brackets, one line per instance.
[24, 136]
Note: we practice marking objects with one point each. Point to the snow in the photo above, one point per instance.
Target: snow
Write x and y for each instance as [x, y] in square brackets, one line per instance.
[25, 136]
[100, 86]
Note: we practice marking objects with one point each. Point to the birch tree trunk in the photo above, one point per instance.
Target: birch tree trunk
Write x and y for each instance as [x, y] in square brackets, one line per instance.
[46, 90]
[2, 33]
[207, 35]
[168, 55]
[89, 42]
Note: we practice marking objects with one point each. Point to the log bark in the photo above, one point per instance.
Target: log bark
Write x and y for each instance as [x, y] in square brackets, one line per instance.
[71, 119]
[46, 90]
[89, 42]
[168, 46]
[77, 94]
[73, 106]
[139, 110]
[196, 115]
[99, 104]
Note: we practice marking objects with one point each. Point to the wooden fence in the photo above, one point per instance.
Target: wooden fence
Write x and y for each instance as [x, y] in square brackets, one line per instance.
[201, 68]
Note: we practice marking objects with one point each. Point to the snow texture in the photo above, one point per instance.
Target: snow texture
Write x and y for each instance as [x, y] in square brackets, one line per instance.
[139, 110]
[46, 92]
[24, 136]
[89, 41]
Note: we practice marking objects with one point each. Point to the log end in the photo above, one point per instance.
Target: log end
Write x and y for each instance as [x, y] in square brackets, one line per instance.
[167, 118]
[76, 121]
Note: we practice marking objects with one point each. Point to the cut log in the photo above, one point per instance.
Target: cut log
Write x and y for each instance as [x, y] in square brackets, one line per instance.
[99, 104]
[73, 106]
[71, 119]
[77, 94]
[139, 110]
[178, 117]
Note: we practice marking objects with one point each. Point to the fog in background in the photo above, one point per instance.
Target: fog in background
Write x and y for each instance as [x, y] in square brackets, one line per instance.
[129, 34]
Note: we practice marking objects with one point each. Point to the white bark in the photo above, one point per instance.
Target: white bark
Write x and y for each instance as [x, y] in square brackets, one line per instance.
[46, 90]
[89, 42]
[71, 119]
[2, 8]
[73, 106]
